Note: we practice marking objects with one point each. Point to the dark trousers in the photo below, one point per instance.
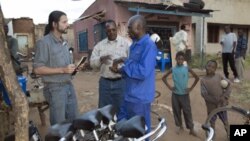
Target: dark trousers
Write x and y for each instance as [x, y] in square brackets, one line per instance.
[182, 103]
[222, 115]
[229, 57]
[130, 109]
[111, 92]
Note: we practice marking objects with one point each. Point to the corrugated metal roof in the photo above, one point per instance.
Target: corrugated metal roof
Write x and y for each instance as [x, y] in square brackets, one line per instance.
[164, 5]
[164, 2]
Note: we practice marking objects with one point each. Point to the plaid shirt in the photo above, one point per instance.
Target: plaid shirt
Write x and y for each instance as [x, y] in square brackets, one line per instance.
[241, 47]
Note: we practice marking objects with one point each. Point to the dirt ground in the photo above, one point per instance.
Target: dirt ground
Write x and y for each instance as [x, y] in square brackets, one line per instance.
[86, 85]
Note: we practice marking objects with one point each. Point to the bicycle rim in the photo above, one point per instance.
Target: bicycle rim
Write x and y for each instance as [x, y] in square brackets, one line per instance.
[234, 116]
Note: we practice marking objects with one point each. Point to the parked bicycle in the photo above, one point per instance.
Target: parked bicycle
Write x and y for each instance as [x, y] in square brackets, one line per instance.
[235, 116]
[100, 125]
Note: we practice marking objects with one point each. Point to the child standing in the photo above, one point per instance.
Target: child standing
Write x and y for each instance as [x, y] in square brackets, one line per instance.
[214, 94]
[180, 93]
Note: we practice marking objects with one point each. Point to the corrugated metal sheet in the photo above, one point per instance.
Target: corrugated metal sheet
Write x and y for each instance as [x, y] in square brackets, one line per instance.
[165, 5]
[164, 2]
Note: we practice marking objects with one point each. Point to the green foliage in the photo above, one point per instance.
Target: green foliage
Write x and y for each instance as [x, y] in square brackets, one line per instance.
[195, 61]
[247, 61]
[198, 62]
[242, 93]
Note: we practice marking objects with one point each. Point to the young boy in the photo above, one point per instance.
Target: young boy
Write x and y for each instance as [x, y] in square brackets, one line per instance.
[180, 93]
[214, 94]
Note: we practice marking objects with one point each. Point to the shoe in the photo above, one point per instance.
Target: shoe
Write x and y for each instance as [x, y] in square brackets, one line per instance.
[192, 132]
[179, 130]
[236, 80]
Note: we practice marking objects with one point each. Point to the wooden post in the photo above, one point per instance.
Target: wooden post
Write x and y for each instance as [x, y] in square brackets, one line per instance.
[9, 80]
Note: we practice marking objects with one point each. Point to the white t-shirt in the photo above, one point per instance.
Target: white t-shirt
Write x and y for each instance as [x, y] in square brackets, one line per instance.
[180, 40]
[228, 40]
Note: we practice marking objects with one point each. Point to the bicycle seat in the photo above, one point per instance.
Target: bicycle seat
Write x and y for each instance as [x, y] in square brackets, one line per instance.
[118, 125]
[108, 113]
[57, 131]
[132, 128]
[88, 121]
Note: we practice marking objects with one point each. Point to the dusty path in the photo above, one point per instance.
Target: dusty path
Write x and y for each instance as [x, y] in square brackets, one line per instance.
[86, 84]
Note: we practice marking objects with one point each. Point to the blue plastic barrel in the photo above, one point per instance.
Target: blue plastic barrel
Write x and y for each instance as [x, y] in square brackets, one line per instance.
[22, 82]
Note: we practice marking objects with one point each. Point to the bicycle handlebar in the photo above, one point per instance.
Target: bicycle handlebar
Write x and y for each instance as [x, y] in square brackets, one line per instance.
[210, 132]
[243, 111]
[161, 128]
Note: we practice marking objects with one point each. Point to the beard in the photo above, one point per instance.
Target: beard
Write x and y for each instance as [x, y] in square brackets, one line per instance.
[63, 31]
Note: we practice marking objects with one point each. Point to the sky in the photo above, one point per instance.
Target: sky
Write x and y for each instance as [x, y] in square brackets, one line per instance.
[39, 10]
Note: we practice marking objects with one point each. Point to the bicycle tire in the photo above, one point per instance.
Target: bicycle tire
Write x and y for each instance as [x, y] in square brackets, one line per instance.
[235, 115]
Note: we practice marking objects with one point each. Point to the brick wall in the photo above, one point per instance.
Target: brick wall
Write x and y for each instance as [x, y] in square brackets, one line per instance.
[23, 25]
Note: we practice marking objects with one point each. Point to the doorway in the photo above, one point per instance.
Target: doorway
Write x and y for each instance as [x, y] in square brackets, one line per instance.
[23, 43]
[165, 32]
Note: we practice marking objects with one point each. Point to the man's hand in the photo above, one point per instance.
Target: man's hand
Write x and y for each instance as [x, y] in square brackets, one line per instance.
[83, 66]
[188, 90]
[118, 61]
[69, 69]
[114, 69]
[104, 59]
[172, 89]
[222, 44]
[223, 101]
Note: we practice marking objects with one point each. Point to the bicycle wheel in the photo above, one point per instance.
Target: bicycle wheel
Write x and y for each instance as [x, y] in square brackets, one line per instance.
[234, 115]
